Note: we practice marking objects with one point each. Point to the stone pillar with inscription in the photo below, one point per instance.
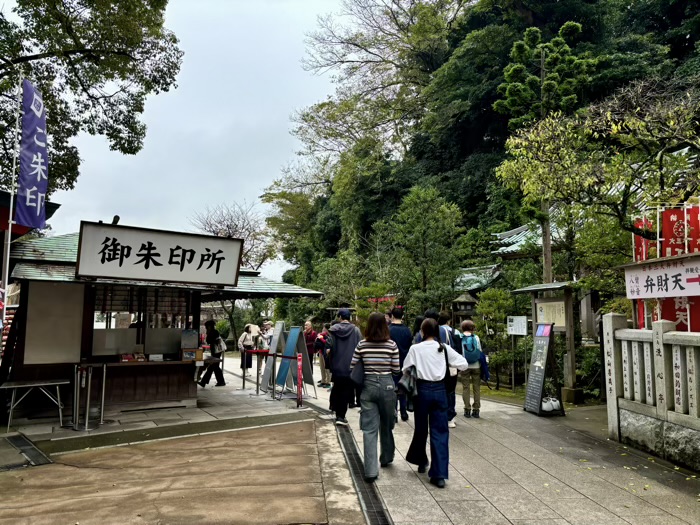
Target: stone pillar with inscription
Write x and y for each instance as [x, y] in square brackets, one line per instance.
[663, 367]
[613, 370]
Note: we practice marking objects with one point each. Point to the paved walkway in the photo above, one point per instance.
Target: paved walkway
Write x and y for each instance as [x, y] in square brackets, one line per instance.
[513, 467]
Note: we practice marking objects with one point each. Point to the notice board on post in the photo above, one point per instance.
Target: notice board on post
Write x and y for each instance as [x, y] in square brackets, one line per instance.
[542, 356]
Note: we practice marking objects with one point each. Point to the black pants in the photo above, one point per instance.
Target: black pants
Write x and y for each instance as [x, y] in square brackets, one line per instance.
[215, 369]
[342, 394]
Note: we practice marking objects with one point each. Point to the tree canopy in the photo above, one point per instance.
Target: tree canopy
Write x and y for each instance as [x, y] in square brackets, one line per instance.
[95, 63]
[456, 119]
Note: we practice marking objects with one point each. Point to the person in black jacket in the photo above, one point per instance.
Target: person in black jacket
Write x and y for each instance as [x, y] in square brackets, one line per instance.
[401, 335]
[345, 336]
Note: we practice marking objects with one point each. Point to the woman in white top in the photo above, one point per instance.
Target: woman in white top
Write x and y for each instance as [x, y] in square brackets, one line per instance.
[430, 405]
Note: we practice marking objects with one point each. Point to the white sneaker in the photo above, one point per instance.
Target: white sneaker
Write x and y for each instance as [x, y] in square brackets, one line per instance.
[451, 423]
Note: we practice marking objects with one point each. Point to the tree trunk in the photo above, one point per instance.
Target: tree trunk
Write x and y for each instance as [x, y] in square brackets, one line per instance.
[232, 334]
[547, 275]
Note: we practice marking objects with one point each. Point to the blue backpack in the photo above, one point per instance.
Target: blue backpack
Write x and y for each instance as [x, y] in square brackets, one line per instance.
[470, 348]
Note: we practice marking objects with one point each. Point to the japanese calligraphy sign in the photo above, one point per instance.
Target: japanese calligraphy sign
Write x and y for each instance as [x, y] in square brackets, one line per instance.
[553, 312]
[33, 161]
[137, 254]
[659, 279]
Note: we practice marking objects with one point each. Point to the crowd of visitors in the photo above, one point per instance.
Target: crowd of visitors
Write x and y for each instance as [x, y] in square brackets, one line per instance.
[388, 372]
[391, 371]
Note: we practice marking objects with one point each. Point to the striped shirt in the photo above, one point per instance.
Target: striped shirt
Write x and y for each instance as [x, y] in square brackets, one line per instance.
[380, 358]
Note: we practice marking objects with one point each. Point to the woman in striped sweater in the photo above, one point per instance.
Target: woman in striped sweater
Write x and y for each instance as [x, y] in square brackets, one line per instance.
[380, 359]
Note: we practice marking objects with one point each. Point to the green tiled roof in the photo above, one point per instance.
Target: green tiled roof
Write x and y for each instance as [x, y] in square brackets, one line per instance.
[249, 283]
[61, 248]
[477, 278]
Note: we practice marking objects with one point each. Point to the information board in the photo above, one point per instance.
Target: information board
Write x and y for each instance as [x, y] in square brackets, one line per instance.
[538, 368]
[517, 325]
[552, 312]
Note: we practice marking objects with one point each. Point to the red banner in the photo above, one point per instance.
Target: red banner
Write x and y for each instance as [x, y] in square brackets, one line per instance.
[642, 245]
[300, 379]
[680, 227]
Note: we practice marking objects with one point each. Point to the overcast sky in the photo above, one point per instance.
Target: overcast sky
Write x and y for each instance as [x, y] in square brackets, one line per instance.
[223, 134]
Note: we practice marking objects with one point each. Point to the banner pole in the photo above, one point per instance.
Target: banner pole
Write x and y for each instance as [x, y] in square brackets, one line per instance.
[8, 233]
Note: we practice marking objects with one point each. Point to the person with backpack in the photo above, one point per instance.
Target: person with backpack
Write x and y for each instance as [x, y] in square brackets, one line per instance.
[472, 352]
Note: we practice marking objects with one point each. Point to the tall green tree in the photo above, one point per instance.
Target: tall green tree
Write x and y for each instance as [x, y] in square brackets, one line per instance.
[95, 63]
[423, 241]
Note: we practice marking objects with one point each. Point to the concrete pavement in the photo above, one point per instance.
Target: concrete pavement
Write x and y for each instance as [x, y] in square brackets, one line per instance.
[511, 467]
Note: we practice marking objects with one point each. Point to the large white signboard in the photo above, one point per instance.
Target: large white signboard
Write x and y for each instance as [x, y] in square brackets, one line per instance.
[517, 325]
[657, 279]
[136, 254]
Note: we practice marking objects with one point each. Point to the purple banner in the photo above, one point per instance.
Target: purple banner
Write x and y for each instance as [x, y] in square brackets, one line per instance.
[33, 161]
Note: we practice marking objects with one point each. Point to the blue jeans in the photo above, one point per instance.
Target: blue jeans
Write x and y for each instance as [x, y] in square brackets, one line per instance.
[430, 413]
[378, 402]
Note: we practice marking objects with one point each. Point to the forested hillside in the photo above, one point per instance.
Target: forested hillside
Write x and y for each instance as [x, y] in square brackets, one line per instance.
[453, 120]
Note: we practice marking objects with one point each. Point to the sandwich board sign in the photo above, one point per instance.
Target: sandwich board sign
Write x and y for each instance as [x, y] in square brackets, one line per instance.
[277, 338]
[542, 356]
[287, 371]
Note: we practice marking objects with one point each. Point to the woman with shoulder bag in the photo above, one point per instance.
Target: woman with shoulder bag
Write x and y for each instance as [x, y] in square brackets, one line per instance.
[215, 345]
[246, 342]
[432, 361]
[378, 355]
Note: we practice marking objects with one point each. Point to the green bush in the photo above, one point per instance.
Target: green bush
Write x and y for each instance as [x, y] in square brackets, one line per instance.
[223, 327]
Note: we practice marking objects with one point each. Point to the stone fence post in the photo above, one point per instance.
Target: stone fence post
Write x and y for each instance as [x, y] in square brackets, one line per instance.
[613, 370]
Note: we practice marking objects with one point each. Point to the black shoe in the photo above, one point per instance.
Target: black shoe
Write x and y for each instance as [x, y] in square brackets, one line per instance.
[352, 405]
[220, 384]
[438, 482]
[341, 421]
[422, 469]
[404, 416]
[385, 465]
[202, 384]
[475, 413]
[371, 479]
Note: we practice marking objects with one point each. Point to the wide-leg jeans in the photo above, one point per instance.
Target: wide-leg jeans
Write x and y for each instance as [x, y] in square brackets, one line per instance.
[378, 402]
[430, 413]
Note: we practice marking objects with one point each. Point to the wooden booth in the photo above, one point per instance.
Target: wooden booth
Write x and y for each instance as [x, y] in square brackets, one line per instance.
[121, 297]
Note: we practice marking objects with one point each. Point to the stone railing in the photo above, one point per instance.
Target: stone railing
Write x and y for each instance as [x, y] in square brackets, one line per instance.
[653, 390]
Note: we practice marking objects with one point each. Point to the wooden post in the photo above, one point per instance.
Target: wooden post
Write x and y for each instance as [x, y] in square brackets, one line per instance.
[570, 359]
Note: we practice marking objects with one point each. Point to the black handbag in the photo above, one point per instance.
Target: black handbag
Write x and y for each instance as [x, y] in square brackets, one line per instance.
[357, 374]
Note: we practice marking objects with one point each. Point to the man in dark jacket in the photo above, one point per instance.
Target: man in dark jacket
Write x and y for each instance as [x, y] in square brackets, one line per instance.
[345, 336]
[401, 335]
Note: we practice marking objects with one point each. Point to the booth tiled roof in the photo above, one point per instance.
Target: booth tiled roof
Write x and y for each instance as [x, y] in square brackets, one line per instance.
[250, 284]
[58, 249]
